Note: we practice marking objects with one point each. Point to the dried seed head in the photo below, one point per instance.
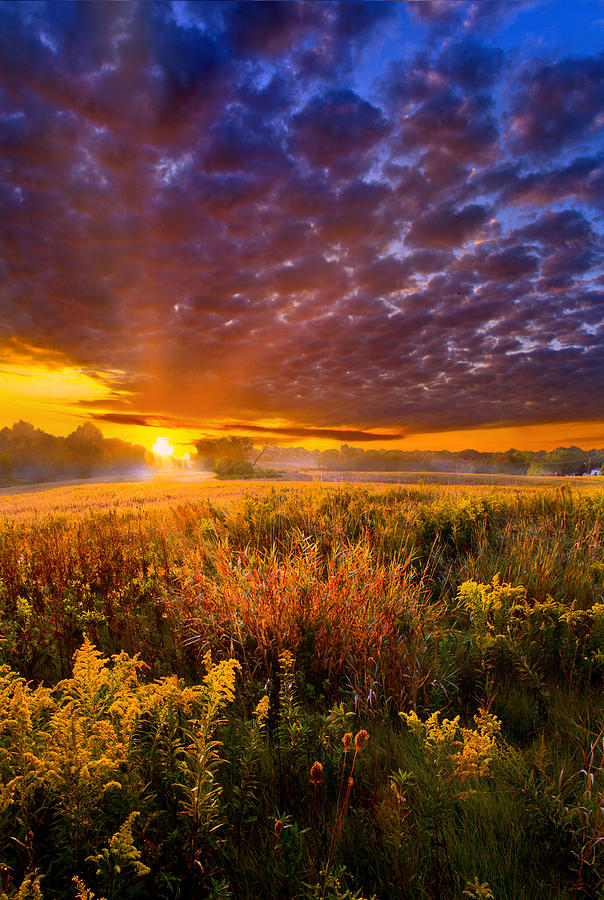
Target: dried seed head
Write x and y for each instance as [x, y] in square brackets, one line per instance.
[316, 773]
[278, 827]
[347, 740]
[361, 739]
[351, 782]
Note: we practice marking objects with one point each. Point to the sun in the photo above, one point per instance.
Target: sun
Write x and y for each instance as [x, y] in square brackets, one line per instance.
[162, 447]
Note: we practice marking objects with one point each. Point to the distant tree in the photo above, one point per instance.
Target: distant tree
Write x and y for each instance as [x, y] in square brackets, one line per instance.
[6, 467]
[85, 446]
[86, 435]
[537, 468]
[568, 460]
[34, 455]
[513, 462]
[211, 452]
[330, 459]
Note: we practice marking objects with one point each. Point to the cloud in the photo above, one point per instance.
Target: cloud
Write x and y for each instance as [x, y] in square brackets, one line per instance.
[286, 431]
[445, 227]
[437, 13]
[338, 434]
[358, 218]
[270, 28]
[471, 64]
[444, 106]
[145, 421]
[556, 102]
[553, 227]
[338, 131]
[582, 180]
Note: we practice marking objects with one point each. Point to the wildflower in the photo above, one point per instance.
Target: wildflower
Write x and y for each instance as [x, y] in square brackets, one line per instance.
[359, 742]
[261, 711]
[477, 891]
[278, 828]
[361, 739]
[457, 751]
[316, 773]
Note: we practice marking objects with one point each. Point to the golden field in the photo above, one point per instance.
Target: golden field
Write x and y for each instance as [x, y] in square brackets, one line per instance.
[163, 491]
[272, 689]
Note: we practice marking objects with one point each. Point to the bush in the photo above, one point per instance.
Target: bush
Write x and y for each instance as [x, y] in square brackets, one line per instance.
[234, 468]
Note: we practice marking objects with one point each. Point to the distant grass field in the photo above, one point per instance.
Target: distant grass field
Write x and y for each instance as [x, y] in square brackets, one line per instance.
[81, 499]
[247, 689]
[467, 479]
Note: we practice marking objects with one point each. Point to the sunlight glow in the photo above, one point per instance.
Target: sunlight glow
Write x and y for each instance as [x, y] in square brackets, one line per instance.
[163, 447]
[43, 388]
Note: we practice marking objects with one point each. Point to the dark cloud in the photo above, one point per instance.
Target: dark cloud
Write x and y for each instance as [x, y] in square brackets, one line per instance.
[471, 63]
[444, 226]
[582, 180]
[124, 419]
[337, 434]
[284, 211]
[338, 131]
[357, 20]
[567, 226]
[146, 421]
[489, 263]
[441, 14]
[460, 125]
[270, 28]
[557, 102]
[443, 106]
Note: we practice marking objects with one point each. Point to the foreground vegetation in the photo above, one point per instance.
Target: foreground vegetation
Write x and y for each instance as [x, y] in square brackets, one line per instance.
[305, 693]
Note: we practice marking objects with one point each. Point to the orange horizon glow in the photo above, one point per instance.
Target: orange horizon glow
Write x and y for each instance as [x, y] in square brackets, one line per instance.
[54, 397]
[43, 388]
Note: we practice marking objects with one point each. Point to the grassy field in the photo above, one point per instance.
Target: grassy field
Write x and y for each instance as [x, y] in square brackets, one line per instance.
[223, 689]
[36, 501]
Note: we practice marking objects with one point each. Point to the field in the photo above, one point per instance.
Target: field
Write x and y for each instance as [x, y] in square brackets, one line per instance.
[218, 689]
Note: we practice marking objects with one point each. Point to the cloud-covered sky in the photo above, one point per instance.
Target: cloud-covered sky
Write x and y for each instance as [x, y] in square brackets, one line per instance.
[356, 218]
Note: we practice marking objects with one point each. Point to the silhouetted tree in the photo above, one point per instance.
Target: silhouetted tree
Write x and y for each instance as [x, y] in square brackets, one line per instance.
[34, 455]
[225, 449]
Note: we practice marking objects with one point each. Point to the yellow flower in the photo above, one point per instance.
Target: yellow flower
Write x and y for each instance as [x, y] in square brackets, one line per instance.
[261, 711]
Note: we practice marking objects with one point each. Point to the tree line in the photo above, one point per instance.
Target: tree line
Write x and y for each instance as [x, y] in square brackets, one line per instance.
[561, 461]
[236, 456]
[30, 454]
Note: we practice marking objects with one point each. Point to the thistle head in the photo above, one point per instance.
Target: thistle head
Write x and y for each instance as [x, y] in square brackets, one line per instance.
[361, 739]
[347, 740]
[316, 773]
[278, 828]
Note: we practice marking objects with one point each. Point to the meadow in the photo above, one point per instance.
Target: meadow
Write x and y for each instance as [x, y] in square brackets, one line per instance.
[224, 690]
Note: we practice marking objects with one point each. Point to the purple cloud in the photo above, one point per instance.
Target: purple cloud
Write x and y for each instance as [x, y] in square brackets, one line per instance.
[245, 211]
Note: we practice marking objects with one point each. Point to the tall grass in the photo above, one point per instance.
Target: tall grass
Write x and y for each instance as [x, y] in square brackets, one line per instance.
[221, 649]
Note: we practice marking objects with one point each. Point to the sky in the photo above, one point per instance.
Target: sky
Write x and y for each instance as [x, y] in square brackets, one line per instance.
[310, 223]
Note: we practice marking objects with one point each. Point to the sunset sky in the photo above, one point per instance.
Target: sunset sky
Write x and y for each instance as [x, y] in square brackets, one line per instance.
[305, 222]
